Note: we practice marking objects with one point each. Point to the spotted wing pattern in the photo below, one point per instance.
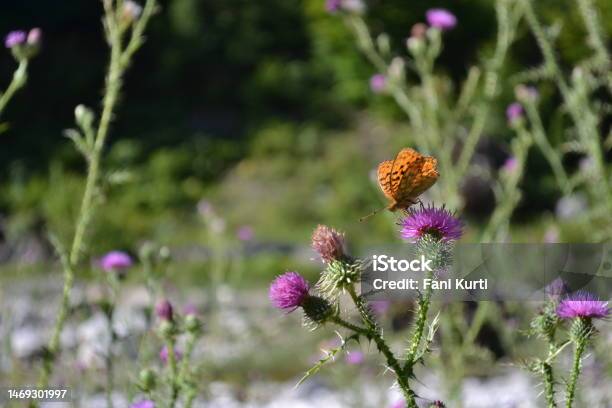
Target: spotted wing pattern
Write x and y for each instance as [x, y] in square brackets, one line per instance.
[405, 178]
[384, 178]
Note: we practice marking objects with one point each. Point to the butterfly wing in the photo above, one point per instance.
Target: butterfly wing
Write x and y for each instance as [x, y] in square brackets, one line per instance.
[425, 177]
[411, 175]
[384, 178]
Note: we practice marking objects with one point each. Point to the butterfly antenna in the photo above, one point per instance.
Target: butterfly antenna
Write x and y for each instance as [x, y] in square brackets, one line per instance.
[362, 219]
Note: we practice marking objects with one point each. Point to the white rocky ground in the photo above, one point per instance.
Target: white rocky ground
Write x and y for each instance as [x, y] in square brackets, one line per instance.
[28, 308]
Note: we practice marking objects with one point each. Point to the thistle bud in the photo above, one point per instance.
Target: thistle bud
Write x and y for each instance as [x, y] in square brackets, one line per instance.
[131, 11]
[582, 328]
[397, 69]
[166, 329]
[147, 379]
[317, 310]
[192, 324]
[415, 45]
[339, 276]
[34, 37]
[164, 254]
[84, 116]
[164, 310]
[328, 243]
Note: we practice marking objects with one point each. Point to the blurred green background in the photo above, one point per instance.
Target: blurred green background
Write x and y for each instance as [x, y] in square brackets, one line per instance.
[261, 108]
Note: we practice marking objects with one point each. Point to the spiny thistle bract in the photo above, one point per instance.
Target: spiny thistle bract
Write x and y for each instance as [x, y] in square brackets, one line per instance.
[338, 276]
[317, 311]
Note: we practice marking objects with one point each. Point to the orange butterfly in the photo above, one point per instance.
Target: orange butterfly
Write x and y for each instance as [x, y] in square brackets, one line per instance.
[402, 180]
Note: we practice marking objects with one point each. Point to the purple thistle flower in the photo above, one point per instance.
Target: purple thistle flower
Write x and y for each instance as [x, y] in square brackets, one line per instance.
[245, 233]
[438, 222]
[333, 6]
[378, 83]
[288, 291]
[328, 243]
[441, 19]
[164, 310]
[116, 261]
[190, 309]
[557, 288]
[355, 358]
[514, 112]
[398, 404]
[15, 38]
[510, 165]
[143, 404]
[379, 307]
[163, 354]
[582, 304]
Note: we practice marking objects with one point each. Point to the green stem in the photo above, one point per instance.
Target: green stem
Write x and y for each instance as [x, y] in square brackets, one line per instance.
[189, 346]
[539, 135]
[549, 385]
[172, 364]
[508, 195]
[373, 332]
[480, 317]
[547, 369]
[556, 351]
[191, 394]
[592, 24]
[419, 326]
[116, 69]
[577, 105]
[357, 329]
[109, 358]
[398, 91]
[570, 392]
[19, 80]
[505, 35]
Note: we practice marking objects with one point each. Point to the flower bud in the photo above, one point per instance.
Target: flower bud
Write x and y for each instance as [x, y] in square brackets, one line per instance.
[164, 310]
[328, 243]
[415, 45]
[526, 93]
[339, 276]
[582, 328]
[317, 310]
[147, 250]
[166, 329]
[192, 324]
[147, 379]
[34, 37]
[84, 116]
[131, 11]
[164, 254]
[384, 44]
[397, 69]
